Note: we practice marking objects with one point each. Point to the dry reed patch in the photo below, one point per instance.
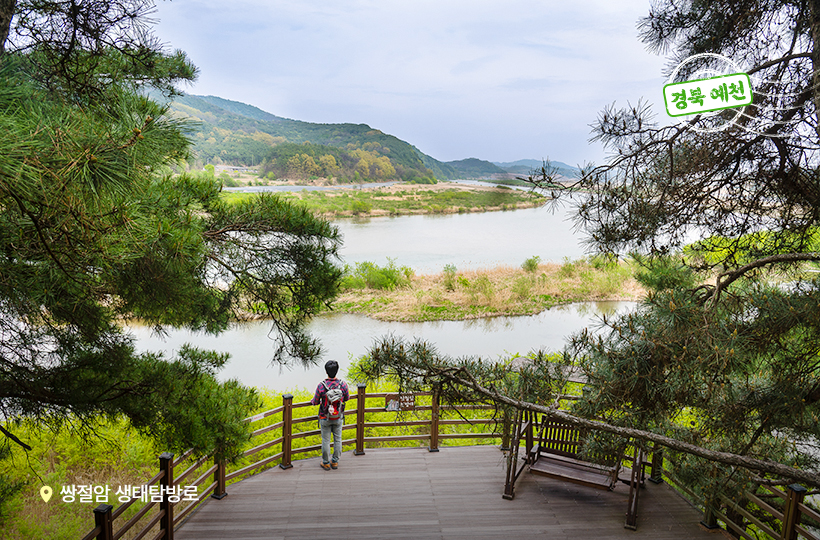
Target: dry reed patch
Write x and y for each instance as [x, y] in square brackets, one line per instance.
[493, 292]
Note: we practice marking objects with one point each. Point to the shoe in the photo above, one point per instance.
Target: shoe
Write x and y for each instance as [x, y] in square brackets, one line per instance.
[326, 466]
[334, 465]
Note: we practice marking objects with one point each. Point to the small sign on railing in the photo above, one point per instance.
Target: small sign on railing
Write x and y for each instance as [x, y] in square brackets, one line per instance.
[399, 402]
[256, 417]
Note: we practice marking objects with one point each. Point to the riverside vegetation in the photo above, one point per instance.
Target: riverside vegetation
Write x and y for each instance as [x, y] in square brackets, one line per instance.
[396, 294]
[405, 199]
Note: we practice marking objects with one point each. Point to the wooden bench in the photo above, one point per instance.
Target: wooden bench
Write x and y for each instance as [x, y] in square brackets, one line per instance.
[555, 452]
[556, 455]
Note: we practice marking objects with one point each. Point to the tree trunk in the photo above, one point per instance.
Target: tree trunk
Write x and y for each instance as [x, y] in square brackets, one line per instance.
[6, 14]
[814, 21]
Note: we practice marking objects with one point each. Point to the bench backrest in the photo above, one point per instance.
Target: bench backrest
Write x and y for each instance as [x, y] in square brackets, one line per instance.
[556, 437]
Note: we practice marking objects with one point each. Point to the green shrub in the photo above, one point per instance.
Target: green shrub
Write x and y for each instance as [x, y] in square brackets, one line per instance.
[568, 269]
[368, 275]
[450, 277]
[531, 264]
[361, 207]
[484, 287]
[604, 261]
[522, 287]
[227, 181]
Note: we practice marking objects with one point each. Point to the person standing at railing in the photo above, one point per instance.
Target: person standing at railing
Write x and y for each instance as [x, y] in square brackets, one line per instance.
[330, 396]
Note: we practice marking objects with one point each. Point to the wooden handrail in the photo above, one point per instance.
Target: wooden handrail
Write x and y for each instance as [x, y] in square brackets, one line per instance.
[809, 512]
[789, 518]
[266, 429]
[197, 464]
[262, 415]
[133, 521]
[525, 424]
[286, 446]
[181, 514]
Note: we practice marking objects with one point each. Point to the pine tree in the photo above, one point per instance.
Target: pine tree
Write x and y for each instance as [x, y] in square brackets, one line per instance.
[723, 210]
[95, 228]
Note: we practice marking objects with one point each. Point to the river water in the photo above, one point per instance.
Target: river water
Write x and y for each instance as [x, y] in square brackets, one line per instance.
[424, 243]
[427, 243]
[346, 337]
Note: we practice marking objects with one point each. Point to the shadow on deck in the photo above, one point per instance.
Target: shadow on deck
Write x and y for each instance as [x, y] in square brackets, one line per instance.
[452, 494]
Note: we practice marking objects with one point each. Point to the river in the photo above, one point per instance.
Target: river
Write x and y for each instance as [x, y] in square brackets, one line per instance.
[345, 337]
[424, 243]
[427, 243]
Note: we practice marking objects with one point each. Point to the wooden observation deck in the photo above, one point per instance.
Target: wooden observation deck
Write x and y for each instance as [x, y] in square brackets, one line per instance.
[432, 491]
[411, 493]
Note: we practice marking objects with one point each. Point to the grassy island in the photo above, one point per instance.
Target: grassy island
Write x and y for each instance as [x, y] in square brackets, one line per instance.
[396, 294]
[407, 199]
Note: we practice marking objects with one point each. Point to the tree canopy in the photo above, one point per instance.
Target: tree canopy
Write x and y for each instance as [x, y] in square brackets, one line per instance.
[95, 229]
[723, 211]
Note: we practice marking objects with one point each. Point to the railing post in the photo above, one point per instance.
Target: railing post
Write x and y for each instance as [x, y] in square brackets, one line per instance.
[791, 513]
[360, 403]
[434, 421]
[219, 477]
[103, 520]
[635, 484]
[530, 419]
[709, 519]
[287, 430]
[166, 522]
[512, 458]
[506, 433]
[656, 476]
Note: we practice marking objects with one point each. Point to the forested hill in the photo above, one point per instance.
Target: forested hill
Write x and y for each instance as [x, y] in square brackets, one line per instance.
[235, 133]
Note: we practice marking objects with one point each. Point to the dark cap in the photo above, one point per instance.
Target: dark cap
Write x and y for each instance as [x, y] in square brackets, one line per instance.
[332, 368]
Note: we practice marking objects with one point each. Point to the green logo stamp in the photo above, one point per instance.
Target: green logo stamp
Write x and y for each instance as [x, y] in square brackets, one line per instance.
[708, 95]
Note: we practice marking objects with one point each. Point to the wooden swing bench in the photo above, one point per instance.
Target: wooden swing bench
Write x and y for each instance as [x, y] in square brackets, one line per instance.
[555, 452]
[556, 455]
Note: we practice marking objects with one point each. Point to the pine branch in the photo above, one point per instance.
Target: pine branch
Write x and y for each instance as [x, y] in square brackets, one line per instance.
[14, 438]
[727, 278]
[726, 458]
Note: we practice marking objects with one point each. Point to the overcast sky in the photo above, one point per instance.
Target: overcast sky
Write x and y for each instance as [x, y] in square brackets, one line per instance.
[497, 80]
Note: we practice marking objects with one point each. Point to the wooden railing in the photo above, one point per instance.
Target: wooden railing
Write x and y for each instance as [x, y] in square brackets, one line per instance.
[169, 499]
[768, 512]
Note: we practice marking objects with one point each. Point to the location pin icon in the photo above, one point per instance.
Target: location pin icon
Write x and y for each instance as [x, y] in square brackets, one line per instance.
[45, 493]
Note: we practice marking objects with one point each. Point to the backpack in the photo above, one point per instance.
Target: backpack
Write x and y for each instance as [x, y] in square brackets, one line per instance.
[333, 399]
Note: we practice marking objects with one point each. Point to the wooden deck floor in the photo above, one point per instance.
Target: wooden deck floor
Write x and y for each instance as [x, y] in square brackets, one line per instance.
[414, 494]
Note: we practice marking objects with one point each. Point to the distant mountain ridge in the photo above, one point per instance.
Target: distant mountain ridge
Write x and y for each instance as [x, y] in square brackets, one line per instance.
[232, 132]
[475, 168]
[478, 168]
[526, 166]
[240, 108]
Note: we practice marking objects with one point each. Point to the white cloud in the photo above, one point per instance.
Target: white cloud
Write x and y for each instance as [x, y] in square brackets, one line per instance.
[495, 80]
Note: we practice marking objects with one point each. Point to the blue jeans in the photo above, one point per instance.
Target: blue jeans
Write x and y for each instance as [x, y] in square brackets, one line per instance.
[329, 427]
